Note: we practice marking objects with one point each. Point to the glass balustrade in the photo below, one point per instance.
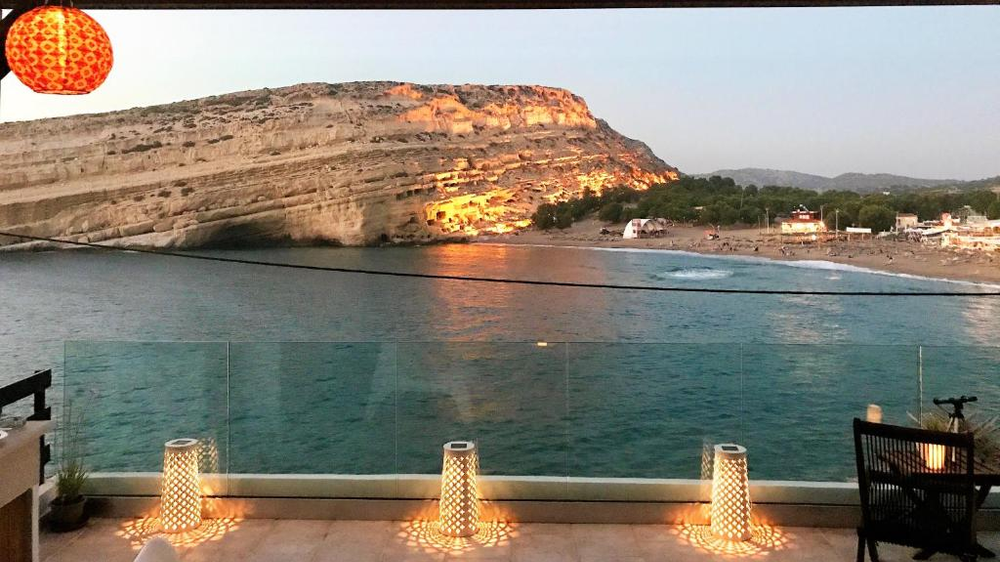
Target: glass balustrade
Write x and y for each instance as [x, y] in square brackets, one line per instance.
[535, 409]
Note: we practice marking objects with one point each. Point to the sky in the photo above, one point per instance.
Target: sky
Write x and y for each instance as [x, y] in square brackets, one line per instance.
[905, 90]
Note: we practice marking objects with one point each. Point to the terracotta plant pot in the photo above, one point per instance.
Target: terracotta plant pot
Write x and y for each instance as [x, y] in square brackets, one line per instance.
[65, 516]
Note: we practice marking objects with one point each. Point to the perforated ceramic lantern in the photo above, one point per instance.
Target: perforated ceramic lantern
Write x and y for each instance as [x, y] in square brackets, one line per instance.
[730, 494]
[459, 508]
[180, 499]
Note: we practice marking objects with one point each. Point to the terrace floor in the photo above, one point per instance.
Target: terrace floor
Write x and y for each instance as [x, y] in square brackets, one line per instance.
[263, 540]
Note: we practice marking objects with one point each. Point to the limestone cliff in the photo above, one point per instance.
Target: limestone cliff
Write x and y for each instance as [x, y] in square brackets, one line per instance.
[352, 164]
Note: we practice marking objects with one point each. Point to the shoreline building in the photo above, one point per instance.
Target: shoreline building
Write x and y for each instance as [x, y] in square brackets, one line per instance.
[975, 232]
[645, 228]
[905, 221]
[803, 222]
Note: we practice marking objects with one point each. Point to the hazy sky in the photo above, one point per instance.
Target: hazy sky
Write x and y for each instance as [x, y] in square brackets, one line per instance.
[908, 90]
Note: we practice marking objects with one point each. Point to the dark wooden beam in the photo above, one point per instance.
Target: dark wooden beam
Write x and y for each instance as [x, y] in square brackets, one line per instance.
[474, 4]
[34, 387]
[27, 387]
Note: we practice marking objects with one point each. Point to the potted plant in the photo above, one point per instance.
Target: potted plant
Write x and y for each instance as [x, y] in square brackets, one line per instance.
[67, 511]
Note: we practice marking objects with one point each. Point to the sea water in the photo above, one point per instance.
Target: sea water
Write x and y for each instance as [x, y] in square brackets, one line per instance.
[297, 371]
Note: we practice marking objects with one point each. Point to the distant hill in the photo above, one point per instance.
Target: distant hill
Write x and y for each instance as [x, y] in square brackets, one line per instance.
[992, 184]
[850, 181]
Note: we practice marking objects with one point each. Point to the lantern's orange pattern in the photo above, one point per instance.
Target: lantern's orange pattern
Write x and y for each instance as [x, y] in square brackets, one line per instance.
[59, 50]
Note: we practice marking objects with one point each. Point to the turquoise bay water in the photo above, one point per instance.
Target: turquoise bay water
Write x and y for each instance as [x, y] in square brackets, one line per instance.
[647, 380]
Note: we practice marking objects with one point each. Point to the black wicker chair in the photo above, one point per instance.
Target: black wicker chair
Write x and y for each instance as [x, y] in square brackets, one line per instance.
[903, 501]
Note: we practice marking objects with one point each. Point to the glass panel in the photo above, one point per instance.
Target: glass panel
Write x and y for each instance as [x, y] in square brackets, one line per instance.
[134, 397]
[312, 408]
[510, 398]
[801, 400]
[649, 410]
[583, 410]
[953, 371]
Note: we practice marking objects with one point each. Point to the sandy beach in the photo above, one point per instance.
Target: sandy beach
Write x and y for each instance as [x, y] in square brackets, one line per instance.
[911, 258]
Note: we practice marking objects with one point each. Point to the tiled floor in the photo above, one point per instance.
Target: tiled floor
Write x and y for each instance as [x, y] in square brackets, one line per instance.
[262, 540]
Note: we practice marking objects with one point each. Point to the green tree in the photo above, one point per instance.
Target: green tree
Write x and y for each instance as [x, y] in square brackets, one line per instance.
[750, 215]
[709, 215]
[877, 217]
[612, 212]
[727, 213]
[545, 216]
[980, 200]
[850, 213]
[718, 200]
[834, 219]
[565, 217]
[993, 211]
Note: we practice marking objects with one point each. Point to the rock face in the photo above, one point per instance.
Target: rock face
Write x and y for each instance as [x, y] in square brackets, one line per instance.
[353, 164]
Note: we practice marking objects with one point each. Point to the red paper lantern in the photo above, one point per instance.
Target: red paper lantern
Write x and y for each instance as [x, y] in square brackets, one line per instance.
[59, 50]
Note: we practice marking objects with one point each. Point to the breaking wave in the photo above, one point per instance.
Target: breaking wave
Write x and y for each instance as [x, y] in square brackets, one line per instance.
[696, 273]
[804, 264]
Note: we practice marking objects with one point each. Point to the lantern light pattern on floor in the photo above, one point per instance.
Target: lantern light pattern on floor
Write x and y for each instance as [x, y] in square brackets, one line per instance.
[730, 494]
[459, 506]
[180, 500]
[59, 50]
